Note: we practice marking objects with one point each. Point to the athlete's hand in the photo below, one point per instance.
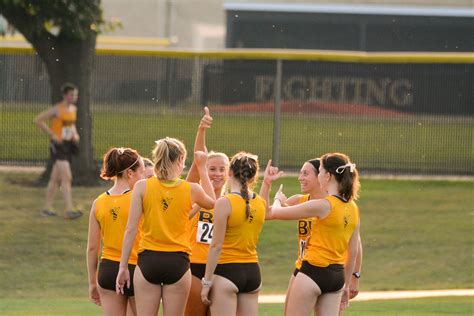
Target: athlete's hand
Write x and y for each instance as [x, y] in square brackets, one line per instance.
[56, 139]
[345, 299]
[353, 287]
[271, 173]
[204, 295]
[75, 138]
[94, 294]
[123, 278]
[279, 195]
[200, 158]
[206, 120]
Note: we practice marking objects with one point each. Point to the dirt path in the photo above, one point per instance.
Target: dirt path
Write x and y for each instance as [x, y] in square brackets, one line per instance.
[382, 295]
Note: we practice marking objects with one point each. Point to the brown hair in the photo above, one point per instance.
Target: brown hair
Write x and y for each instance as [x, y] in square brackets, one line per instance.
[117, 160]
[66, 87]
[165, 154]
[346, 176]
[245, 168]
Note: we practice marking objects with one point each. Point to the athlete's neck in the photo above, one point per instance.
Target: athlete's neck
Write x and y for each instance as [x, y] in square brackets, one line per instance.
[120, 186]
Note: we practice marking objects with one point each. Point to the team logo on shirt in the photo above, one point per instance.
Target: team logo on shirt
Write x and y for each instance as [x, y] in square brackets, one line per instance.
[165, 203]
[346, 220]
[115, 211]
[304, 227]
[252, 215]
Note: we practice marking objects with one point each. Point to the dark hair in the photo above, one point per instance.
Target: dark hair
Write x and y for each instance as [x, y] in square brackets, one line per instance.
[244, 167]
[348, 181]
[117, 160]
[315, 163]
[66, 87]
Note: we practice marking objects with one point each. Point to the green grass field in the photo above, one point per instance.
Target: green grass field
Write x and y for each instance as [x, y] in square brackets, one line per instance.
[406, 144]
[419, 307]
[416, 235]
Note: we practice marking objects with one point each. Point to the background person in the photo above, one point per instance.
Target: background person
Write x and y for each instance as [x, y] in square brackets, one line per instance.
[64, 142]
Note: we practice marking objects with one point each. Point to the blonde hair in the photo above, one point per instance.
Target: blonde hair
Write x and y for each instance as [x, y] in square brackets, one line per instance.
[167, 152]
[214, 154]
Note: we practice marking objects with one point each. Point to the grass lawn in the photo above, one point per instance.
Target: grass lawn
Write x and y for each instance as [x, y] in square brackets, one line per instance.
[416, 235]
[407, 144]
[407, 307]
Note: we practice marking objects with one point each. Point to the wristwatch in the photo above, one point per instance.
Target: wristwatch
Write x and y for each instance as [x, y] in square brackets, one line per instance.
[356, 275]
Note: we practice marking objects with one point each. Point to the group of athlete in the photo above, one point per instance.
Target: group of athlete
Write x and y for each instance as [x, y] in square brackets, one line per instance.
[192, 244]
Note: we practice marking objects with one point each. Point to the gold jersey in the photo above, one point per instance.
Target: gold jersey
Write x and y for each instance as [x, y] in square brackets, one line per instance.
[330, 236]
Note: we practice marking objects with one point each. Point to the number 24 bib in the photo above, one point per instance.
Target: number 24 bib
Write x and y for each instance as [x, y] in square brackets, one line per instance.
[204, 232]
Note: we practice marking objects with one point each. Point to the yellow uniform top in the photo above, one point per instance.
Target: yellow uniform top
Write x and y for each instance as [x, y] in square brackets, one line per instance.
[62, 123]
[330, 236]
[241, 236]
[202, 226]
[111, 211]
[166, 217]
[304, 233]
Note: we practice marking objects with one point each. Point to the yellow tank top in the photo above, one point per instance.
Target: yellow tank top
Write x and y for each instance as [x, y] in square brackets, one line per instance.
[241, 236]
[62, 124]
[166, 225]
[304, 233]
[202, 227]
[111, 211]
[330, 236]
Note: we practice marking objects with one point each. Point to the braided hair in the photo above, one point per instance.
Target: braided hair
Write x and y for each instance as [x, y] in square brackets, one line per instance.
[245, 168]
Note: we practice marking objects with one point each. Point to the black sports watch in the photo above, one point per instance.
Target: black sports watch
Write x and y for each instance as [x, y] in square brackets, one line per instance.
[356, 275]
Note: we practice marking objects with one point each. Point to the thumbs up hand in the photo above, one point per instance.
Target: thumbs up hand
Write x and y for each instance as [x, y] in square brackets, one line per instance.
[206, 120]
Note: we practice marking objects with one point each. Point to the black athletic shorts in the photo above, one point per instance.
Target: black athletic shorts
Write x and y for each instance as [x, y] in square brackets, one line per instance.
[63, 151]
[198, 270]
[246, 276]
[329, 279]
[296, 271]
[161, 268]
[108, 271]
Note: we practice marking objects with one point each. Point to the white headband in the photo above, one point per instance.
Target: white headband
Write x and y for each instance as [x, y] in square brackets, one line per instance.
[341, 169]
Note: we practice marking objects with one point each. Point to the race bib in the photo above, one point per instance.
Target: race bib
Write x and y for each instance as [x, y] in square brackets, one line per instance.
[204, 232]
[66, 133]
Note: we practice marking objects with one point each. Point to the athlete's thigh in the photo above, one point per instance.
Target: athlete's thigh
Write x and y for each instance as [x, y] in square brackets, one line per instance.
[174, 295]
[328, 303]
[112, 304]
[194, 305]
[64, 169]
[247, 304]
[303, 295]
[223, 297]
[147, 295]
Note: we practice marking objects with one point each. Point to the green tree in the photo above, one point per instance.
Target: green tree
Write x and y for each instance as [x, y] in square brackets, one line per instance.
[63, 33]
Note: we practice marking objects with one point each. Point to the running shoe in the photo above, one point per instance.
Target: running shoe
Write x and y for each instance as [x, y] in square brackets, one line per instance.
[72, 214]
[48, 213]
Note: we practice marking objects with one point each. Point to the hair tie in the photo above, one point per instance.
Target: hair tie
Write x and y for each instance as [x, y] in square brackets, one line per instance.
[341, 169]
[247, 202]
[120, 150]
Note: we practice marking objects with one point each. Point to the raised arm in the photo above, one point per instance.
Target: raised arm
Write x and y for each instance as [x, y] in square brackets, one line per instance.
[136, 210]
[222, 212]
[271, 174]
[93, 248]
[200, 143]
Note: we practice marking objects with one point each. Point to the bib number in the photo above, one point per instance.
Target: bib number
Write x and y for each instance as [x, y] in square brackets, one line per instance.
[66, 133]
[204, 232]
